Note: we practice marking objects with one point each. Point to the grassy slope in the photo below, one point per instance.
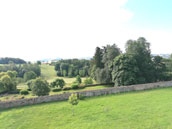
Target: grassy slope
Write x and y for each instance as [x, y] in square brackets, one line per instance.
[138, 110]
[48, 73]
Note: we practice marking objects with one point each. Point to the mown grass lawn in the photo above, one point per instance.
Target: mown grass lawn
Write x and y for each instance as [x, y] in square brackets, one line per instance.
[136, 110]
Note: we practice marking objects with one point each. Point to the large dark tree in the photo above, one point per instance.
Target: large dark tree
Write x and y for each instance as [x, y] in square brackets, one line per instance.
[97, 59]
[140, 50]
[125, 70]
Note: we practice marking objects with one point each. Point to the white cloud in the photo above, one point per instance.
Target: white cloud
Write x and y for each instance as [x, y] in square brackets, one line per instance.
[37, 29]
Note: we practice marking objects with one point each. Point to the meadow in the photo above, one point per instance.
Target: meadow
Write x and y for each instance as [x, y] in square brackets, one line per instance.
[150, 109]
[48, 73]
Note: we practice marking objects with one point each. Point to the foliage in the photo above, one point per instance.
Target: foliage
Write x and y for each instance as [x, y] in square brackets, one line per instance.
[9, 83]
[24, 92]
[12, 74]
[75, 85]
[21, 69]
[2, 87]
[58, 83]
[140, 50]
[88, 81]
[56, 89]
[81, 97]
[72, 68]
[73, 99]
[30, 83]
[38, 62]
[66, 88]
[29, 76]
[102, 63]
[78, 79]
[7, 60]
[40, 87]
[103, 75]
[125, 70]
[160, 69]
[97, 59]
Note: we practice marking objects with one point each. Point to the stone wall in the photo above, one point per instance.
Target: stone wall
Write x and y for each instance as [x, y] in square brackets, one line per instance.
[64, 96]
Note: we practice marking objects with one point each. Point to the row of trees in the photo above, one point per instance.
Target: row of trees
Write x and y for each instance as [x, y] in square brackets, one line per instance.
[8, 60]
[21, 69]
[135, 66]
[72, 68]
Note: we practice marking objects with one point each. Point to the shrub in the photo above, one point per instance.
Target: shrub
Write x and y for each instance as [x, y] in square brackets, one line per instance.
[88, 81]
[24, 92]
[58, 83]
[40, 87]
[19, 80]
[29, 84]
[81, 97]
[78, 79]
[56, 89]
[17, 91]
[29, 75]
[75, 86]
[9, 84]
[66, 88]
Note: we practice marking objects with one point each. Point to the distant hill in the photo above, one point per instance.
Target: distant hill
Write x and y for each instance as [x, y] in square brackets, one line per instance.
[7, 60]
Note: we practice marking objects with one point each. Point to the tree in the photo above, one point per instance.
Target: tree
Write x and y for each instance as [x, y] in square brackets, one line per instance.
[102, 75]
[109, 54]
[29, 75]
[97, 59]
[125, 70]
[88, 81]
[78, 79]
[159, 68]
[38, 62]
[2, 87]
[12, 74]
[40, 87]
[73, 99]
[140, 50]
[9, 84]
[58, 83]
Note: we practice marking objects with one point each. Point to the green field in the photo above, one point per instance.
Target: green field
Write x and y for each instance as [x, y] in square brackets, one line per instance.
[136, 110]
[48, 73]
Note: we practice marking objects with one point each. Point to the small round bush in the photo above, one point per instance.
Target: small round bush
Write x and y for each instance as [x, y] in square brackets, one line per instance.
[81, 97]
[40, 87]
[75, 86]
[88, 81]
[24, 92]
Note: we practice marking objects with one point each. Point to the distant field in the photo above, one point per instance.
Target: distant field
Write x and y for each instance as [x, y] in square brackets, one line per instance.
[136, 110]
[48, 73]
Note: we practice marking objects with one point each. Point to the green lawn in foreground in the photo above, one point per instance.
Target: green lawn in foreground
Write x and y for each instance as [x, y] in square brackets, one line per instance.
[136, 110]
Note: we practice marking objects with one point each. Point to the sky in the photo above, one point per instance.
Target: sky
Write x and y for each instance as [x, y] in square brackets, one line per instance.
[39, 29]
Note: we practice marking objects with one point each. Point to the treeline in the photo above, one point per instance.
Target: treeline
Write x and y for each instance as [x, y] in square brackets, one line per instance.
[135, 66]
[9, 60]
[25, 71]
[72, 67]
